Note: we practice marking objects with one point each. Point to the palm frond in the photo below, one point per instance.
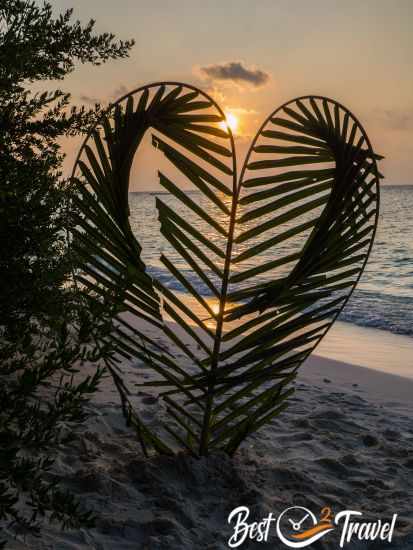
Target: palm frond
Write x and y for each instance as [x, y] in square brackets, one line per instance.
[274, 254]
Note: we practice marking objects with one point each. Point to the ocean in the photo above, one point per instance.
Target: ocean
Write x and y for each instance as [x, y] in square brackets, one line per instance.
[384, 296]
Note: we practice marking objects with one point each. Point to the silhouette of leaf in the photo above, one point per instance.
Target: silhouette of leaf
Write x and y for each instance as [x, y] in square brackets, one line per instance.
[277, 250]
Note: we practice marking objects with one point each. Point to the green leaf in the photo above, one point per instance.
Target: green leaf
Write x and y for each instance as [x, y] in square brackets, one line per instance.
[165, 213]
[282, 218]
[223, 371]
[285, 201]
[172, 188]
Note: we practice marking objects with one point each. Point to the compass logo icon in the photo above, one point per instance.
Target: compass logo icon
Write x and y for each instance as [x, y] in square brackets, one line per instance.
[297, 527]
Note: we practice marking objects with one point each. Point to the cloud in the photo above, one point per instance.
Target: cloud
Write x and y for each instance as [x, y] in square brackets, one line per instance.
[90, 100]
[242, 111]
[235, 71]
[395, 119]
[120, 91]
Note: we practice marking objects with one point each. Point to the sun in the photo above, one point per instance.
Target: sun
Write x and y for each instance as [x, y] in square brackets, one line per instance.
[231, 120]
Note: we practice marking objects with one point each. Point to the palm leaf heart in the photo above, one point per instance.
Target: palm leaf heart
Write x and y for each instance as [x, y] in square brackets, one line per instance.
[278, 247]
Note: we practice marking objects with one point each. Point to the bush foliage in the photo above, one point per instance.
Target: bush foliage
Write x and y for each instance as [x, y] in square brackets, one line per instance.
[47, 330]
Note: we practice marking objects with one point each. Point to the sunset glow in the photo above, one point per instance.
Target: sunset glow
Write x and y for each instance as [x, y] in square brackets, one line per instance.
[231, 120]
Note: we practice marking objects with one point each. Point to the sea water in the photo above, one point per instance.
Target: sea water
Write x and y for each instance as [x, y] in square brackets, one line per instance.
[384, 296]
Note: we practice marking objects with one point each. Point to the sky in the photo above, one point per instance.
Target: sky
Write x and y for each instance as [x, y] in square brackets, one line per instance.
[253, 55]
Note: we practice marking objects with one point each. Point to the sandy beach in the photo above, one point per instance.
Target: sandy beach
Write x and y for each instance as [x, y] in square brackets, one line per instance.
[346, 442]
[194, 196]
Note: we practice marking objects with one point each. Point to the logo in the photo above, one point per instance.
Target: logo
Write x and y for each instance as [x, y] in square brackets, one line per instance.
[299, 527]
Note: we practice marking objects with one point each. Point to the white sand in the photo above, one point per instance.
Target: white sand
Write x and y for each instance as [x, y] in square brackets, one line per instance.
[367, 347]
[346, 441]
